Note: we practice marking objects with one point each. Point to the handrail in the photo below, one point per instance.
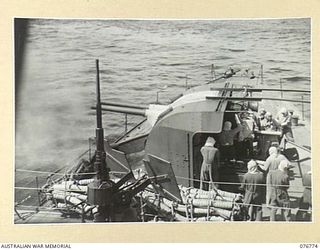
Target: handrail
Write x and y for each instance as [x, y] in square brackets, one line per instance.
[296, 145]
[137, 125]
[262, 89]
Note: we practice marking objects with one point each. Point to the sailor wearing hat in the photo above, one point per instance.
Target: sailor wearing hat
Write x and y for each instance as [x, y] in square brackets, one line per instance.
[210, 164]
[284, 119]
[246, 135]
[279, 197]
[270, 165]
[226, 138]
[270, 123]
[305, 202]
[261, 119]
[252, 184]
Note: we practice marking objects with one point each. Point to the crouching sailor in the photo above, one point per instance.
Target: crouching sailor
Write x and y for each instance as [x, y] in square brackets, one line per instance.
[253, 184]
[210, 164]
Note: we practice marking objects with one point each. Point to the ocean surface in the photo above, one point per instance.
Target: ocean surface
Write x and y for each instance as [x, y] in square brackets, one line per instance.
[137, 58]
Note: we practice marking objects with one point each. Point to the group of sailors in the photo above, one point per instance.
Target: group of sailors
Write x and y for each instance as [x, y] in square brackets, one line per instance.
[282, 123]
[268, 183]
[271, 179]
[239, 140]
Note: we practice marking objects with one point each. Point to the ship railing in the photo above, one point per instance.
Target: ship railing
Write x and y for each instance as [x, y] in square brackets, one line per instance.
[45, 179]
[38, 208]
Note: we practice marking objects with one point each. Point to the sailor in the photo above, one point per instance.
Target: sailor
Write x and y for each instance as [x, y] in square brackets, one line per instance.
[252, 75]
[226, 138]
[261, 119]
[270, 123]
[210, 164]
[306, 199]
[253, 185]
[246, 135]
[274, 159]
[229, 73]
[284, 119]
[279, 197]
[271, 164]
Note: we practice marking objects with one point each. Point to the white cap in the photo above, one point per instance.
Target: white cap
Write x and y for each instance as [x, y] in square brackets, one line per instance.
[283, 111]
[273, 150]
[252, 166]
[210, 142]
[227, 126]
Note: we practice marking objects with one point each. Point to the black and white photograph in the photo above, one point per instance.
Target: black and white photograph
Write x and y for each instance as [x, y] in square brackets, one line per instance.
[162, 120]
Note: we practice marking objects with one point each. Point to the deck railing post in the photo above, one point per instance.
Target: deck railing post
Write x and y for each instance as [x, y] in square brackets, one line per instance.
[261, 74]
[213, 73]
[302, 107]
[284, 144]
[38, 191]
[83, 214]
[89, 140]
[126, 123]
[186, 81]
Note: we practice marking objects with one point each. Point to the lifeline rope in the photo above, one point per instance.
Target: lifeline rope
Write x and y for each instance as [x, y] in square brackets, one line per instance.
[64, 174]
[45, 172]
[27, 188]
[188, 205]
[275, 207]
[179, 177]
[236, 183]
[42, 208]
[245, 204]
[189, 209]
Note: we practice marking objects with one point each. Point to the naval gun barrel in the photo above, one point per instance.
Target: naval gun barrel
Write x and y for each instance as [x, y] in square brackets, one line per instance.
[124, 110]
[100, 162]
[126, 105]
